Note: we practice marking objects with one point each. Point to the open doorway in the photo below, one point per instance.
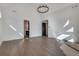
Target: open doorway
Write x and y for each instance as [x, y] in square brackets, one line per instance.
[45, 28]
[26, 29]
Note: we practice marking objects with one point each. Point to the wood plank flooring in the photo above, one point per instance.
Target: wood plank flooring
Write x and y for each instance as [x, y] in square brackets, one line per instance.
[31, 47]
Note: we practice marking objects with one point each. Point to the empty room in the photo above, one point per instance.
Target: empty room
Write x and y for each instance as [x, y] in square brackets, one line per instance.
[39, 29]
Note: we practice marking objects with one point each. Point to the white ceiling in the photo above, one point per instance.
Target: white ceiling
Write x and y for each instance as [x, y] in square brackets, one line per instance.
[58, 6]
[52, 6]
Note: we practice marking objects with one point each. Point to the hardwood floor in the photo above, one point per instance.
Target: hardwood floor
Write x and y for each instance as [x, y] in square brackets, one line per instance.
[31, 47]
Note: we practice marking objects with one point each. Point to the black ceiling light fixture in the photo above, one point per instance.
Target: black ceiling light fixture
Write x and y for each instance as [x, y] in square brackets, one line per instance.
[43, 8]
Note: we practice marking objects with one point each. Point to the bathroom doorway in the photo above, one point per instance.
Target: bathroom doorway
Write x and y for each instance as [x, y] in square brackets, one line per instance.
[26, 29]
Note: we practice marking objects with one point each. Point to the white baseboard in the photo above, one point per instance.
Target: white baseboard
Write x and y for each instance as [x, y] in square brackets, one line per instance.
[35, 37]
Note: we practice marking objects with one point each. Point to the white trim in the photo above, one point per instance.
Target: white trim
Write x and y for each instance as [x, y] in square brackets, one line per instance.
[0, 43]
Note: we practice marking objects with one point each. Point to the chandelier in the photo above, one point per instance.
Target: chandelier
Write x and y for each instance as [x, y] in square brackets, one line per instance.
[43, 9]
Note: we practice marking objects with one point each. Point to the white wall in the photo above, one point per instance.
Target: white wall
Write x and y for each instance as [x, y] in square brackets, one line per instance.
[56, 21]
[16, 19]
[59, 18]
[0, 25]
